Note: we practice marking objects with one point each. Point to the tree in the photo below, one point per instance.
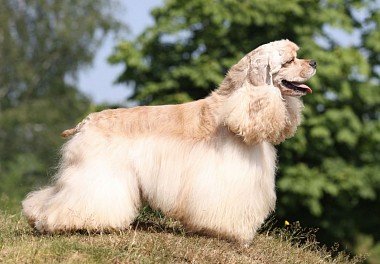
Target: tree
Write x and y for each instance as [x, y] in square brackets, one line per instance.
[329, 172]
[42, 46]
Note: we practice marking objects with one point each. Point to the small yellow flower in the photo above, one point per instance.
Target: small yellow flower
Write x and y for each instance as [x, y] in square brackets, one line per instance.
[286, 223]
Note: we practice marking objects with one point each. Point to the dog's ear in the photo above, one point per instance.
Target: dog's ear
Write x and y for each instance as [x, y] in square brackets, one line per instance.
[257, 114]
[263, 64]
[274, 65]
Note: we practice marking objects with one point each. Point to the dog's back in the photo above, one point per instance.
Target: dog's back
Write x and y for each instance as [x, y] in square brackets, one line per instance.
[191, 119]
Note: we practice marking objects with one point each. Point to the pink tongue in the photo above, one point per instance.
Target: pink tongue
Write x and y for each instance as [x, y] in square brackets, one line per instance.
[304, 86]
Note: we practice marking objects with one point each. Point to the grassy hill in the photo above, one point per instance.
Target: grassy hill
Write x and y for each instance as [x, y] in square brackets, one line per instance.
[157, 241]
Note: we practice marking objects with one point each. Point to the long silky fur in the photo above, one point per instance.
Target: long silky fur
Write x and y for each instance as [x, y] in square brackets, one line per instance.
[209, 163]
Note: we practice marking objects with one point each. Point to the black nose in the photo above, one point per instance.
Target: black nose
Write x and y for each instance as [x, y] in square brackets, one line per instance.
[313, 64]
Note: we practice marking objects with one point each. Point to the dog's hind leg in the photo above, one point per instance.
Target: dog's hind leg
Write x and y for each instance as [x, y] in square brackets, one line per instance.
[34, 202]
[94, 191]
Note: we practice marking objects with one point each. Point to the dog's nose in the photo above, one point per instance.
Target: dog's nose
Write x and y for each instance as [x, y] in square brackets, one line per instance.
[313, 64]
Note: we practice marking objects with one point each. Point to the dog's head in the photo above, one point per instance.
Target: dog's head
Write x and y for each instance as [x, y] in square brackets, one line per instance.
[276, 64]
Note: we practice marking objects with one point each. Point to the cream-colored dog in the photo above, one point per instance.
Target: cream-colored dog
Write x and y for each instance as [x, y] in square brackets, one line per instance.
[208, 163]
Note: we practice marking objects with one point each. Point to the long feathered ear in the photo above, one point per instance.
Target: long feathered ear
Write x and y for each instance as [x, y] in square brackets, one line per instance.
[256, 113]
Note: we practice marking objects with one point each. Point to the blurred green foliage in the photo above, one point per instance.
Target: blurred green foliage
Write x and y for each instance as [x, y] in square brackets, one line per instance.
[329, 173]
[42, 46]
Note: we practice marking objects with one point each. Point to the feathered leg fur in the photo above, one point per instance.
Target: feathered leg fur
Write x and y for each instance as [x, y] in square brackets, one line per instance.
[93, 190]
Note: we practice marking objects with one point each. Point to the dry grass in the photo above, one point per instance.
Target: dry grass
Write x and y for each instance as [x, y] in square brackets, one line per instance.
[158, 241]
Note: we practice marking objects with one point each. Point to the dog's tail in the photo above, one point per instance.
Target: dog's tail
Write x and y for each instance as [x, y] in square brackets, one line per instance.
[69, 132]
[72, 131]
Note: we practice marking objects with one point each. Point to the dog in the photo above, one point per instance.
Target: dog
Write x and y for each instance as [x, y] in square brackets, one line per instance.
[209, 163]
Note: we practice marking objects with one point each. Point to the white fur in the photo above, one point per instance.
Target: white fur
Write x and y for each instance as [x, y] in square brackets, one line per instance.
[205, 184]
[209, 163]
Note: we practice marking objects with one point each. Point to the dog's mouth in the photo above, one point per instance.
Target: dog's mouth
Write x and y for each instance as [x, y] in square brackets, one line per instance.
[295, 88]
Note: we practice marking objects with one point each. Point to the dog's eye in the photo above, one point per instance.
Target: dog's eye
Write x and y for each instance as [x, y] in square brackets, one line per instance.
[290, 61]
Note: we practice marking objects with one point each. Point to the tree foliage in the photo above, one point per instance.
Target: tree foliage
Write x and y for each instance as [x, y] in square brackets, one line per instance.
[43, 42]
[42, 46]
[329, 172]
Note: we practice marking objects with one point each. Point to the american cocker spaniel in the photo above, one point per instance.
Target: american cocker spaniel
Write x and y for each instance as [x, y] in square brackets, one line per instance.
[209, 163]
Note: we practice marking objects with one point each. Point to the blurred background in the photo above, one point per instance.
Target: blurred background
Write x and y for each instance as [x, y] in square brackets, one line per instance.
[60, 60]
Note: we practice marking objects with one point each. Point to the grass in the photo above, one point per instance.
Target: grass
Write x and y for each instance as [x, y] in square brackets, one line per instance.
[154, 239]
